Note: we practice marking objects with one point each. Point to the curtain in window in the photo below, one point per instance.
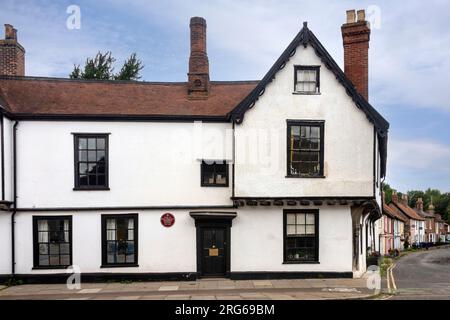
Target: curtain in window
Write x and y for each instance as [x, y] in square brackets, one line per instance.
[43, 231]
[66, 230]
[130, 229]
[111, 229]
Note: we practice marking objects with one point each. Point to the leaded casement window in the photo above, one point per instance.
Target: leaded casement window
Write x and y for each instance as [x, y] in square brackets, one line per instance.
[91, 161]
[52, 242]
[305, 149]
[120, 240]
[307, 79]
[214, 173]
[301, 236]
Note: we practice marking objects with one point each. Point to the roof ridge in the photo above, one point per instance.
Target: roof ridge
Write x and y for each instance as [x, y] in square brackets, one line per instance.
[58, 79]
[410, 212]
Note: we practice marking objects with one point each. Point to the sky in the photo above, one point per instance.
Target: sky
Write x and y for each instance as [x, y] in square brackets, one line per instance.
[409, 55]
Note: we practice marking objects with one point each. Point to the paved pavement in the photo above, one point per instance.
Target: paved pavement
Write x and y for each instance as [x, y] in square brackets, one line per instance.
[423, 275]
[215, 289]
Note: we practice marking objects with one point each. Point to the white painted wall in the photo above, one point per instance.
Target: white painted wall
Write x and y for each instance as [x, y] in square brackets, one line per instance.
[161, 249]
[349, 138]
[257, 241]
[150, 164]
[8, 145]
[5, 243]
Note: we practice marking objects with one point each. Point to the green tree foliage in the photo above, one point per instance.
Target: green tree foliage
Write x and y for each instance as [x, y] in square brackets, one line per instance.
[101, 68]
[387, 193]
[130, 69]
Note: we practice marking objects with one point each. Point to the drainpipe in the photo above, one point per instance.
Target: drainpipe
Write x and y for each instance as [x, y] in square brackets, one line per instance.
[13, 253]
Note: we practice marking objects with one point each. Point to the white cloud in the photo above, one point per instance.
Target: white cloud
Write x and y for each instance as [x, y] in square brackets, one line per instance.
[419, 154]
[418, 164]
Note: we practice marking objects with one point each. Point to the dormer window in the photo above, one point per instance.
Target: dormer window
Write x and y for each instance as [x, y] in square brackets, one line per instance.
[307, 80]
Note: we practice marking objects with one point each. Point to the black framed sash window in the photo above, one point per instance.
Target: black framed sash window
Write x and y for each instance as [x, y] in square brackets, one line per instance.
[120, 240]
[305, 148]
[52, 241]
[301, 236]
[91, 161]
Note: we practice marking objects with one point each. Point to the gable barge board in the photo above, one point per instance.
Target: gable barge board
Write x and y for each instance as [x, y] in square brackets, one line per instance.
[306, 37]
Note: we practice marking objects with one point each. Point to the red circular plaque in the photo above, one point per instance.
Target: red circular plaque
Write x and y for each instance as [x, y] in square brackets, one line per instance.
[167, 220]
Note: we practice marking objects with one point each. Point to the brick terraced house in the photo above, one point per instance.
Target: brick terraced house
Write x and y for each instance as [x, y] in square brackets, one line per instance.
[277, 178]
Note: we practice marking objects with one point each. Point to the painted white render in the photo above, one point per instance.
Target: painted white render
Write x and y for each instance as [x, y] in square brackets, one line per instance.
[257, 242]
[258, 233]
[5, 243]
[349, 138]
[8, 157]
[161, 249]
[150, 164]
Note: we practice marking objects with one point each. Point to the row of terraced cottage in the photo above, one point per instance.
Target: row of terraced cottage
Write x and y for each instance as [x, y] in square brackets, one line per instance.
[402, 226]
[277, 178]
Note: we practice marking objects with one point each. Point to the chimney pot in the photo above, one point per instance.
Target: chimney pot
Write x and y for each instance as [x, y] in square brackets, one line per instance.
[12, 54]
[361, 15]
[351, 16]
[10, 32]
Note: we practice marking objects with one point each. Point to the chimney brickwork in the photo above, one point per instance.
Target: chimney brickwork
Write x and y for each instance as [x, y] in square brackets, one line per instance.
[419, 204]
[356, 37]
[12, 54]
[198, 76]
[395, 196]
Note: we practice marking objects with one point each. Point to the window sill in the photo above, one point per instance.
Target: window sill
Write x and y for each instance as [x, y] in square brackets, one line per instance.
[305, 177]
[301, 262]
[214, 186]
[91, 189]
[306, 93]
[119, 266]
[50, 268]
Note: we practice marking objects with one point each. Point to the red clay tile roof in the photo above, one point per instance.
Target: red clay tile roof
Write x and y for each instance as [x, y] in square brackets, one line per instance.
[391, 212]
[408, 211]
[52, 96]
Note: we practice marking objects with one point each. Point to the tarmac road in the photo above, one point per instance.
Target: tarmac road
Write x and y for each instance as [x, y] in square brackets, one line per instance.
[423, 276]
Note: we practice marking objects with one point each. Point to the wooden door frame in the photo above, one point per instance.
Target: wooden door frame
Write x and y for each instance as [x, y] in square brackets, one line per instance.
[227, 245]
[221, 220]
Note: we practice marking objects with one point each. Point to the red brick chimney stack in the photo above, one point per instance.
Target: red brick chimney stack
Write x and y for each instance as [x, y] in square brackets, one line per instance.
[356, 36]
[198, 76]
[419, 204]
[405, 199]
[394, 196]
[12, 54]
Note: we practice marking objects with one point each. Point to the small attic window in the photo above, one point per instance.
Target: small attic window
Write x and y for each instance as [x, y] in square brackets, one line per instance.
[307, 80]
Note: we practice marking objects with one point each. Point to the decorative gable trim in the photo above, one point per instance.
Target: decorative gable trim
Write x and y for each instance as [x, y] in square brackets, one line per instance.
[305, 37]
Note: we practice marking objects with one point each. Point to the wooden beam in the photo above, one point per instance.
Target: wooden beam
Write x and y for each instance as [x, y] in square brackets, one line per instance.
[252, 203]
[278, 203]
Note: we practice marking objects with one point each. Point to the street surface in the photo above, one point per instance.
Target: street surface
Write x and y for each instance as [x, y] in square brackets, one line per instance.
[423, 275]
